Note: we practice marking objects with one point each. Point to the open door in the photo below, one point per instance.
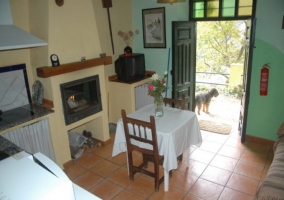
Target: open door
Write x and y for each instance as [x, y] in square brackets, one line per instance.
[183, 61]
[249, 45]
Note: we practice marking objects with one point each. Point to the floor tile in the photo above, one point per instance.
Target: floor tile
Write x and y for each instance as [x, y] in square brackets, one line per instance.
[126, 194]
[253, 158]
[74, 171]
[104, 151]
[195, 168]
[258, 148]
[143, 186]
[88, 180]
[191, 197]
[88, 160]
[210, 146]
[224, 162]
[120, 177]
[229, 194]
[106, 190]
[222, 168]
[182, 180]
[264, 173]
[235, 142]
[269, 159]
[216, 175]
[235, 134]
[202, 156]
[215, 137]
[250, 170]
[173, 193]
[243, 184]
[119, 159]
[105, 168]
[231, 152]
[204, 134]
[206, 189]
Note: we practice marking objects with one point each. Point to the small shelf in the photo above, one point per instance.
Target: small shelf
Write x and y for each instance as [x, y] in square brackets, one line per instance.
[45, 72]
[148, 74]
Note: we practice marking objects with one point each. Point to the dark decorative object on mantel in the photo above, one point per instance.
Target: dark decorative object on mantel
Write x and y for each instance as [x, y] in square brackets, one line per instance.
[128, 51]
[59, 2]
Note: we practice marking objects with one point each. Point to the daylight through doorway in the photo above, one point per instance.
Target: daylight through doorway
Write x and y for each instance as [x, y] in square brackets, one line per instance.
[219, 65]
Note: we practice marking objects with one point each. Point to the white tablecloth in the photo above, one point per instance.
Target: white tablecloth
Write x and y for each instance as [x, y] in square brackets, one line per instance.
[176, 131]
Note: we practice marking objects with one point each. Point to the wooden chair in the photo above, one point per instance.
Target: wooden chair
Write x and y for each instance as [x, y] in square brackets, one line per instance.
[176, 103]
[139, 134]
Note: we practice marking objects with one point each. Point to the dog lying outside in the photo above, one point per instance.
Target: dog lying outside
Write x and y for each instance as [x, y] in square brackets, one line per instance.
[204, 100]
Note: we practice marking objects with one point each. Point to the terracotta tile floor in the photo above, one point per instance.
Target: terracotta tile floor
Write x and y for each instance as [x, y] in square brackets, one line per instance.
[222, 168]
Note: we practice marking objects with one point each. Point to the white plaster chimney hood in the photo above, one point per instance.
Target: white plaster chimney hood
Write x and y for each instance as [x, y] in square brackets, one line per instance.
[12, 37]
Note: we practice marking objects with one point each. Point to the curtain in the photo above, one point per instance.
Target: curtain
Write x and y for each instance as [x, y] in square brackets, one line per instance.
[33, 138]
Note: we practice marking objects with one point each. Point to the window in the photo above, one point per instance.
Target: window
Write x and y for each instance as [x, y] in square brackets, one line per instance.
[221, 9]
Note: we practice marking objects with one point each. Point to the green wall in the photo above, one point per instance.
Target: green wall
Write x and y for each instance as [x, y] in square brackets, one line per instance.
[265, 113]
[157, 58]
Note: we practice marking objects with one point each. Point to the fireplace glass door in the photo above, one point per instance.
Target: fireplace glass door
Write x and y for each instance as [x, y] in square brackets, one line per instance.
[81, 98]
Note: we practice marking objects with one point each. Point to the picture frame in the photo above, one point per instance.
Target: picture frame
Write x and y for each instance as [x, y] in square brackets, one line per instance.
[154, 27]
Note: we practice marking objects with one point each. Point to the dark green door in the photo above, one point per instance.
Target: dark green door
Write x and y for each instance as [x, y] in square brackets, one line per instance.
[249, 45]
[183, 61]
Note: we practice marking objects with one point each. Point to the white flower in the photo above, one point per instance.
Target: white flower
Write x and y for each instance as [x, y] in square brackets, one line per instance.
[165, 73]
[155, 77]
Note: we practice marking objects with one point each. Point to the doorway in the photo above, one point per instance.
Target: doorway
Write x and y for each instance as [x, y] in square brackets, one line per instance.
[219, 65]
[184, 66]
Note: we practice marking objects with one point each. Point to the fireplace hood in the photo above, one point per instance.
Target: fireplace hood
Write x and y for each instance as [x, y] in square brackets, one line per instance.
[12, 37]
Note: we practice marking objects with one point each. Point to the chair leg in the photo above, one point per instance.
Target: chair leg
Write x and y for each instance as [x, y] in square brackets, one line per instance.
[156, 169]
[130, 166]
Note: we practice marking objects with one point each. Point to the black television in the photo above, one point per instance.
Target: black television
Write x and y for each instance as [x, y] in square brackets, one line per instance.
[130, 68]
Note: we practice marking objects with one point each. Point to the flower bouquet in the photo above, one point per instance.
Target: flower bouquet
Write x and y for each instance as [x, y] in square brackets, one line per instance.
[156, 89]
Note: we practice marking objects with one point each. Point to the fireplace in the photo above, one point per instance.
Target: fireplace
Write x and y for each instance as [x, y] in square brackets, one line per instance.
[81, 98]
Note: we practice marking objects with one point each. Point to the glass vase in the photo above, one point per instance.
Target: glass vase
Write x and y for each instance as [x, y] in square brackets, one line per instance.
[159, 111]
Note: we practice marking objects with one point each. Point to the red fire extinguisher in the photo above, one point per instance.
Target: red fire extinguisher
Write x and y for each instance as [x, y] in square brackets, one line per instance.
[264, 74]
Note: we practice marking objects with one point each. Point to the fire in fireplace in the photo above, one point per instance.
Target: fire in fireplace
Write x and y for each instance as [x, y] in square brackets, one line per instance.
[81, 98]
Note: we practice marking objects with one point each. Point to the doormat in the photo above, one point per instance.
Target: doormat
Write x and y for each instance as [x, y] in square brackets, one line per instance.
[215, 127]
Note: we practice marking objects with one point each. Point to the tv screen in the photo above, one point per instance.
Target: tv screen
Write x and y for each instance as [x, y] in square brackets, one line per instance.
[130, 68]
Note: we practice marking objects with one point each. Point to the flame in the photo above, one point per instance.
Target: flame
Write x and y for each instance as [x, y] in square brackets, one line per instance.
[72, 98]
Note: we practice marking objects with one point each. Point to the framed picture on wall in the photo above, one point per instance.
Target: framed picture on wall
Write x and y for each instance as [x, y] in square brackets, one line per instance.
[154, 27]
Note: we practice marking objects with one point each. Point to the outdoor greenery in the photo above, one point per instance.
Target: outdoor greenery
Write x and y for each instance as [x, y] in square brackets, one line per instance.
[219, 44]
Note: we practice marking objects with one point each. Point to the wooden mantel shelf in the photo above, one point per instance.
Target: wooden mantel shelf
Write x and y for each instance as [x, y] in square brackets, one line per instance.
[45, 72]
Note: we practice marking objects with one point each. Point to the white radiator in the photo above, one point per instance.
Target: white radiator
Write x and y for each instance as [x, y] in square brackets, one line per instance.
[141, 96]
[33, 138]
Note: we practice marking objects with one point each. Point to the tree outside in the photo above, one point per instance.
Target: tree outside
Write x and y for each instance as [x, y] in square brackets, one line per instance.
[219, 44]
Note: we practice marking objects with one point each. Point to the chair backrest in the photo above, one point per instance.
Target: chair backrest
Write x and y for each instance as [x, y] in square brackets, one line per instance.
[175, 103]
[141, 131]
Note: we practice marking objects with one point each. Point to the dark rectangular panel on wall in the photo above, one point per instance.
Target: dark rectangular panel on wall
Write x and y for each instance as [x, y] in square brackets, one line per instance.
[107, 3]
